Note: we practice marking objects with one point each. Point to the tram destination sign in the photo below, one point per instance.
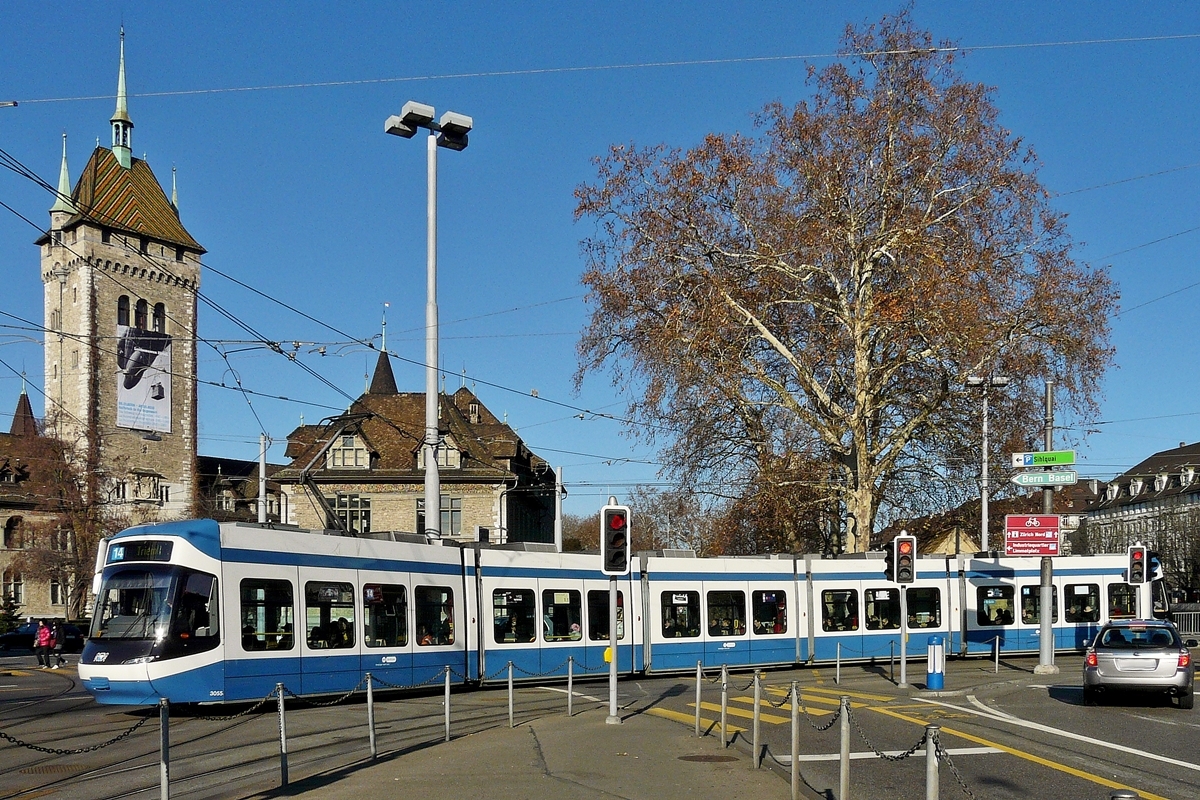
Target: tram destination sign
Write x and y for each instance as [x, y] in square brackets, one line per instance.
[1059, 477]
[1045, 458]
[1036, 535]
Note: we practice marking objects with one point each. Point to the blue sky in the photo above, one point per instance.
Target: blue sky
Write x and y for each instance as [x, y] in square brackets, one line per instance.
[299, 193]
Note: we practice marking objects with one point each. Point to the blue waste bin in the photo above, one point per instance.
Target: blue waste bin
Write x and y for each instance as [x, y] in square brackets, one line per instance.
[935, 671]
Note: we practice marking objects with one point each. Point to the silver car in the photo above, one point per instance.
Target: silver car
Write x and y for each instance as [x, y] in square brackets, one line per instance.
[1143, 655]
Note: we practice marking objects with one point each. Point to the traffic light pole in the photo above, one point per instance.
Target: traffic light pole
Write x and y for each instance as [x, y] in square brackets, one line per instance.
[903, 636]
[613, 718]
[1046, 665]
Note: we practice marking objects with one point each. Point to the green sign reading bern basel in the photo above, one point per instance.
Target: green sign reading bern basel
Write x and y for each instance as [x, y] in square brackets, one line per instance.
[1048, 458]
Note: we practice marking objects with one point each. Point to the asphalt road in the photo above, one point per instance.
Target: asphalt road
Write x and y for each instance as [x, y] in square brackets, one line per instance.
[1008, 735]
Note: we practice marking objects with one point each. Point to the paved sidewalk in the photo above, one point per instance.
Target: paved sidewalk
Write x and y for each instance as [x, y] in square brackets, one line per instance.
[557, 757]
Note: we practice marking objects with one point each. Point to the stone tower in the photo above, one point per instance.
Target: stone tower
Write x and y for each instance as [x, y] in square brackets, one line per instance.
[121, 274]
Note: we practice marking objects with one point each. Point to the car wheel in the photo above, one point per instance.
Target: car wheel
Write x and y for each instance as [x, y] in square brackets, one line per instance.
[1090, 698]
[1188, 700]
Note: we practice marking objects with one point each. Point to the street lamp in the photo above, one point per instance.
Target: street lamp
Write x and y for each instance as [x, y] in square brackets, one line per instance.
[449, 132]
[984, 384]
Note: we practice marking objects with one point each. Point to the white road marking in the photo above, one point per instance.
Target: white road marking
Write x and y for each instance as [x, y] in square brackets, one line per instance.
[577, 694]
[1166, 721]
[1065, 734]
[975, 702]
[959, 751]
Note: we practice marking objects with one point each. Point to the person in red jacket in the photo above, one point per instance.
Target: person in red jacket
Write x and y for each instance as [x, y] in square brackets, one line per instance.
[42, 644]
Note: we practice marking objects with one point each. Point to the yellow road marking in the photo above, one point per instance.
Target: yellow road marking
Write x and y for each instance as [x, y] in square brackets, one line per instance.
[1078, 773]
[881, 698]
[737, 712]
[688, 719]
[805, 697]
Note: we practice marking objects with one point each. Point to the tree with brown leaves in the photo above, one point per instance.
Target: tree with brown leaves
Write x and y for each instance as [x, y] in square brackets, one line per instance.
[802, 306]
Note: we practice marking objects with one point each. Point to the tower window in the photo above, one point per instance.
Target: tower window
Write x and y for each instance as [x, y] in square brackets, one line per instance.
[179, 254]
[105, 236]
[123, 310]
[139, 315]
[160, 317]
[144, 245]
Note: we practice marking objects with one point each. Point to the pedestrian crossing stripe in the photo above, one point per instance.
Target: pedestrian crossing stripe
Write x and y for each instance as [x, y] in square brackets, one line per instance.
[879, 698]
[738, 712]
[819, 699]
[688, 719]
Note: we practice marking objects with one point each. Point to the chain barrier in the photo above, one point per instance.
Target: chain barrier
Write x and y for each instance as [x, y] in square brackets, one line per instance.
[910, 751]
[60, 752]
[537, 674]
[787, 696]
[943, 755]
[240, 714]
[602, 667]
[808, 717]
[326, 704]
[437, 678]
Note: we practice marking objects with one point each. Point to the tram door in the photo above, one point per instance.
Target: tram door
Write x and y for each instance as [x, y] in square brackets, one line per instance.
[726, 623]
[387, 651]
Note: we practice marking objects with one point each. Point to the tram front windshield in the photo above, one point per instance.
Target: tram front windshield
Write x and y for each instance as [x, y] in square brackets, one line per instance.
[154, 602]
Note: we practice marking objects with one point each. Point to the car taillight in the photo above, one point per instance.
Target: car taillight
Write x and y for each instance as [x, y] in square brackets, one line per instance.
[1091, 659]
[1185, 658]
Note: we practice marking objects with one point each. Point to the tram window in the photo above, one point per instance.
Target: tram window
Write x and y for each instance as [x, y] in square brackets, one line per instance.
[1122, 601]
[385, 607]
[770, 612]
[924, 608]
[435, 615]
[196, 615]
[839, 610]
[883, 609]
[1031, 600]
[994, 605]
[329, 615]
[1083, 602]
[514, 615]
[267, 614]
[726, 613]
[562, 611]
[681, 614]
[598, 615]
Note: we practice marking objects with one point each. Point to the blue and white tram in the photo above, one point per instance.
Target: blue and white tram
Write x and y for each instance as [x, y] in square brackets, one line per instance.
[198, 611]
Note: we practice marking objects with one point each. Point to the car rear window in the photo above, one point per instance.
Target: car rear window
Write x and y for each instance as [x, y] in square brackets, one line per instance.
[1133, 637]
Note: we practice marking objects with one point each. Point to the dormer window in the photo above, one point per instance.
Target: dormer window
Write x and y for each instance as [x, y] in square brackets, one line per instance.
[1112, 492]
[348, 453]
[1186, 477]
[1160, 482]
[448, 455]
[1135, 487]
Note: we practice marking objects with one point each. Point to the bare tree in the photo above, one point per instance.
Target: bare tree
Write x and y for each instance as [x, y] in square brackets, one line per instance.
[818, 293]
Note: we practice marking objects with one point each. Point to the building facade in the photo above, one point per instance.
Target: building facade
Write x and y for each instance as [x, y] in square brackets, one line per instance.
[364, 470]
[120, 275]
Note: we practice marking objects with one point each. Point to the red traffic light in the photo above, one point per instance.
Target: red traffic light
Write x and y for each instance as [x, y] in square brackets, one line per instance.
[1136, 554]
[905, 546]
[616, 521]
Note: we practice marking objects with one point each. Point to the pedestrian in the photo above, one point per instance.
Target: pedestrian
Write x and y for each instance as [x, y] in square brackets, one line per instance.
[58, 642]
[41, 644]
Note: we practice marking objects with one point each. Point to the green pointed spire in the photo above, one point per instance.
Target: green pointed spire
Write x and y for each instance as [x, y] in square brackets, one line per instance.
[122, 125]
[63, 201]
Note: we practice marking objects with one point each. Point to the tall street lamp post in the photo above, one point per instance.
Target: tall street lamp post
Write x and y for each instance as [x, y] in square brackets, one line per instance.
[449, 132]
[984, 384]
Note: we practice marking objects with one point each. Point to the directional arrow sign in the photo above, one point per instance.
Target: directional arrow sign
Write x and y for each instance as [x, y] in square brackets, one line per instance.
[1065, 477]
[1048, 458]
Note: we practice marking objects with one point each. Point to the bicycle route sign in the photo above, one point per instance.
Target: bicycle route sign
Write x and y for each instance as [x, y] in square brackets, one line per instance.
[1031, 535]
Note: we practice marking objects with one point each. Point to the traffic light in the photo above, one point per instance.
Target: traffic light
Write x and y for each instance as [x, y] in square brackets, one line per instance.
[906, 558]
[1137, 564]
[614, 540]
[889, 561]
[1154, 567]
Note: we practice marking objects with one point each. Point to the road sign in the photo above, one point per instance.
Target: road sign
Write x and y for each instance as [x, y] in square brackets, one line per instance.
[1031, 535]
[1047, 458]
[1062, 477]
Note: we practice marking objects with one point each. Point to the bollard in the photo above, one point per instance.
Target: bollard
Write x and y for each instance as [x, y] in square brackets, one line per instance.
[699, 679]
[283, 772]
[935, 660]
[757, 715]
[510, 695]
[447, 702]
[837, 676]
[996, 649]
[931, 762]
[371, 716]
[892, 659]
[795, 742]
[164, 760]
[844, 754]
[570, 683]
[724, 706]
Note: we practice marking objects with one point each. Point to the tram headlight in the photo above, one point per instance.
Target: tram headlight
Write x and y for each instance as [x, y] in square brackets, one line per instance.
[141, 660]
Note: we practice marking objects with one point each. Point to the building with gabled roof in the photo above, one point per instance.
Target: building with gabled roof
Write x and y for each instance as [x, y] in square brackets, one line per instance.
[365, 469]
